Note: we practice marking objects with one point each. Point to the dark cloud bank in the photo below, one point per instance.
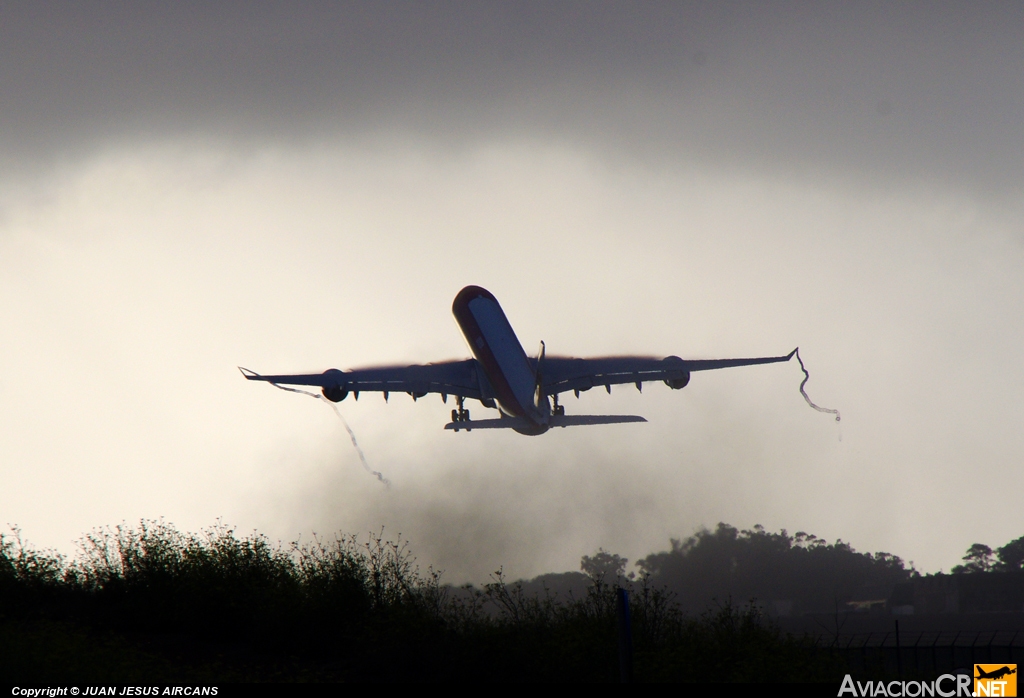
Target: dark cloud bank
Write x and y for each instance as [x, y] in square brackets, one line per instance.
[920, 90]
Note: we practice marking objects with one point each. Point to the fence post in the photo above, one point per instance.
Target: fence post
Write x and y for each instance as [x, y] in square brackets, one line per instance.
[864, 652]
[625, 636]
[881, 654]
[917, 660]
[899, 660]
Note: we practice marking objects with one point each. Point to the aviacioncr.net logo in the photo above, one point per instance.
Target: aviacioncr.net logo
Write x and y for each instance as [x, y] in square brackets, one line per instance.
[995, 680]
[946, 686]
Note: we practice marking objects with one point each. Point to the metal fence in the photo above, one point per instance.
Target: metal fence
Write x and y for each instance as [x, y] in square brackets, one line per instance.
[925, 653]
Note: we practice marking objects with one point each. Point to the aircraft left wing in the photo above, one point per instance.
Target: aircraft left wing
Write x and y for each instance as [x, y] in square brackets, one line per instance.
[561, 374]
[459, 378]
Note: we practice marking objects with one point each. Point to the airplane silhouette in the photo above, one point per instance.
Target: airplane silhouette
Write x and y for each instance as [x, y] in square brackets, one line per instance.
[995, 673]
[524, 390]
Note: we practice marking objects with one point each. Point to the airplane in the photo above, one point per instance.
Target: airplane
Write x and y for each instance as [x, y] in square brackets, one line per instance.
[995, 673]
[524, 390]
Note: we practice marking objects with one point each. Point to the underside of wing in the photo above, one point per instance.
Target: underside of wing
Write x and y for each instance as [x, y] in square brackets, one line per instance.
[458, 378]
[561, 374]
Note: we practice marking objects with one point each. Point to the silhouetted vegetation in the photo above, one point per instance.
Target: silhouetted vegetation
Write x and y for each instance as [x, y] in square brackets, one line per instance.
[981, 558]
[802, 572]
[152, 603]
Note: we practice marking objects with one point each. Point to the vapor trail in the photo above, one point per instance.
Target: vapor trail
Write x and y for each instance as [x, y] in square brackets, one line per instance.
[352, 435]
[807, 377]
[344, 421]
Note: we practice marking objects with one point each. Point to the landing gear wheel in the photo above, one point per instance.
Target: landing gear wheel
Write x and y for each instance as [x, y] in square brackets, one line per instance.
[461, 414]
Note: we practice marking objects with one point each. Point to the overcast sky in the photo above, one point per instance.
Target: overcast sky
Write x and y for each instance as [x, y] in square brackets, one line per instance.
[186, 187]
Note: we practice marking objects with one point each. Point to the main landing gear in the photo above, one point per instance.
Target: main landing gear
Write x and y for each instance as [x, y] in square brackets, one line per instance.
[461, 414]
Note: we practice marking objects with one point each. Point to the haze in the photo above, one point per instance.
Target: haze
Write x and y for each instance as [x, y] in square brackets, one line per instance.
[187, 188]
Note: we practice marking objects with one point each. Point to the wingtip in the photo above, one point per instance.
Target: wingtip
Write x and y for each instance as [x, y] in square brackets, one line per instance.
[792, 354]
[249, 374]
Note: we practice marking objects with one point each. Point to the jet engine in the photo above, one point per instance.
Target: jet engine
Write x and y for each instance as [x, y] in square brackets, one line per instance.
[677, 383]
[335, 393]
[681, 377]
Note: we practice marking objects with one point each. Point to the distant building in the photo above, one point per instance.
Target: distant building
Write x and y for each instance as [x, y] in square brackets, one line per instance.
[977, 592]
[901, 601]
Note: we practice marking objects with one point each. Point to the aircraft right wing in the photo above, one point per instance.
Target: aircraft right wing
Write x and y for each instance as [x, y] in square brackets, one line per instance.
[561, 374]
[459, 378]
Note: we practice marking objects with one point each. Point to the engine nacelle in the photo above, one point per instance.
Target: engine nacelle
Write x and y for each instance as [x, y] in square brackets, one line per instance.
[678, 383]
[335, 393]
[681, 377]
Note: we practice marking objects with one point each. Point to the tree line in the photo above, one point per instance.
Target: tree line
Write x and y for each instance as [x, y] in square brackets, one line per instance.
[982, 558]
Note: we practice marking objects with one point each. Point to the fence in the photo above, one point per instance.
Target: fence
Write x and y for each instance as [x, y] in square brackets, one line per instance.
[923, 654]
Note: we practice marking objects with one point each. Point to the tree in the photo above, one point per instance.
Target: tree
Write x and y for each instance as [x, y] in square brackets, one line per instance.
[728, 563]
[603, 565]
[979, 558]
[1011, 555]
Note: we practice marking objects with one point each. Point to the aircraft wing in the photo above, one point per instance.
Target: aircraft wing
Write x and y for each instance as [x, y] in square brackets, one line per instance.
[460, 378]
[560, 374]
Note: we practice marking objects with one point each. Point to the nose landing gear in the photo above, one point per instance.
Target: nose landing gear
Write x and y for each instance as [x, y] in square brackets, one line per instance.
[556, 409]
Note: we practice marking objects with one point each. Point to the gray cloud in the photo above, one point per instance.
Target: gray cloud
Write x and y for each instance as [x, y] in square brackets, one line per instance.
[920, 90]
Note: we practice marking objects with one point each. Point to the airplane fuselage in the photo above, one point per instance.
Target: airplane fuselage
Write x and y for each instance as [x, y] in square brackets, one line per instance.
[495, 345]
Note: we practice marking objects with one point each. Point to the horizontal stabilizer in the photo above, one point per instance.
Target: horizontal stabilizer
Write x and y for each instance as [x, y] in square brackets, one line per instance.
[573, 420]
[579, 420]
[509, 423]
